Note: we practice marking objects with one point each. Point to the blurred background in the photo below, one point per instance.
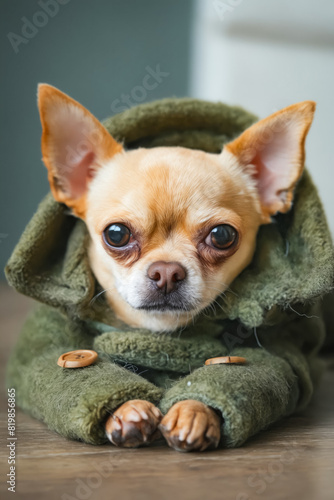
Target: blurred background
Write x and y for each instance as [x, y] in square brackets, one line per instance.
[258, 54]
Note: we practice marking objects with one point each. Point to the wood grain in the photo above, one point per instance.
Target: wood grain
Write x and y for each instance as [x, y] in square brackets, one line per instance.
[292, 460]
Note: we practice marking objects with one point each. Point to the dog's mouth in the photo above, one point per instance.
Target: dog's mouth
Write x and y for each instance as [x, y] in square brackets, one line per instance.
[168, 303]
[165, 307]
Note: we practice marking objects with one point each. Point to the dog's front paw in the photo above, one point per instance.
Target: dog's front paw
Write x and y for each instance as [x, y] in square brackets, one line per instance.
[191, 425]
[133, 424]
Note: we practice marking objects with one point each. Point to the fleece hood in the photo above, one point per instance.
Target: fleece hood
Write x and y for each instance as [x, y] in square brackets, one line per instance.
[293, 263]
[292, 267]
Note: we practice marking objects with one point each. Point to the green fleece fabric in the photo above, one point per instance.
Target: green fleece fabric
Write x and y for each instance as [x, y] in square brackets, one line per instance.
[276, 314]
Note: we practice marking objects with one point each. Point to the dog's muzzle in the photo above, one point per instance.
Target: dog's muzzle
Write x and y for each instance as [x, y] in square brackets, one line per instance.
[167, 288]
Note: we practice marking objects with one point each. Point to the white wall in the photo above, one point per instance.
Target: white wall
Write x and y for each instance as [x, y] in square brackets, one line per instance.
[265, 55]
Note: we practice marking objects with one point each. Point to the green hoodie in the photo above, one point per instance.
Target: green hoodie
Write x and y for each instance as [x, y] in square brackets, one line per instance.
[274, 315]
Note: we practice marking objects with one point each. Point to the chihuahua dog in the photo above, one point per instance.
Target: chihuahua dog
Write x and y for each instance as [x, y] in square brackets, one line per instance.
[170, 229]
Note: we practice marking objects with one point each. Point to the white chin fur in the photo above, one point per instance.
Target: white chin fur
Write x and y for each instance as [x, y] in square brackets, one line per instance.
[165, 321]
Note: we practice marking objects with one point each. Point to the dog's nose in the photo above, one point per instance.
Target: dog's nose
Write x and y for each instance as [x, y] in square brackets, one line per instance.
[166, 274]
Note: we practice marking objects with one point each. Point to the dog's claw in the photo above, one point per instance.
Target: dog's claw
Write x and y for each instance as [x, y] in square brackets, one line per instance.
[133, 424]
[116, 437]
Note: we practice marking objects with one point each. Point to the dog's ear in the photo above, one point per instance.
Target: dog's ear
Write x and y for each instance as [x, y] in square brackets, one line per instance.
[272, 152]
[74, 145]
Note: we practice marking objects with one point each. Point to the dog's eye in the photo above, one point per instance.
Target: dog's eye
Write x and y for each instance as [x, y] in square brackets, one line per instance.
[117, 235]
[222, 237]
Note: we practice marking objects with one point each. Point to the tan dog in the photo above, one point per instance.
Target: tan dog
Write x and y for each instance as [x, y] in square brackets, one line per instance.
[170, 229]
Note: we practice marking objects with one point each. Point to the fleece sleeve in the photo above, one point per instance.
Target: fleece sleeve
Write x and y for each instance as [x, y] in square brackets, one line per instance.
[277, 380]
[73, 402]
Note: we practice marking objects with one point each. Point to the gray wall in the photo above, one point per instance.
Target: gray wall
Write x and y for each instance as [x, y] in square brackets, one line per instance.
[93, 50]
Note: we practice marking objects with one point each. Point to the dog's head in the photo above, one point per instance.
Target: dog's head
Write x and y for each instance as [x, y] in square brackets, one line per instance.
[170, 227]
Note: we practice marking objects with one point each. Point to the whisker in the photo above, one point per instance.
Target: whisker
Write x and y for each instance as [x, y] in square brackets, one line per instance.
[227, 288]
[219, 305]
[100, 293]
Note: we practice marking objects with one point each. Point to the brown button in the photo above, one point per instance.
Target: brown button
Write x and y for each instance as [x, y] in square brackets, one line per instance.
[77, 359]
[227, 360]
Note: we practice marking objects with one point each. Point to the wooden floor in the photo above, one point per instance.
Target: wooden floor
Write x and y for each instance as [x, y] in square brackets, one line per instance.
[294, 460]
